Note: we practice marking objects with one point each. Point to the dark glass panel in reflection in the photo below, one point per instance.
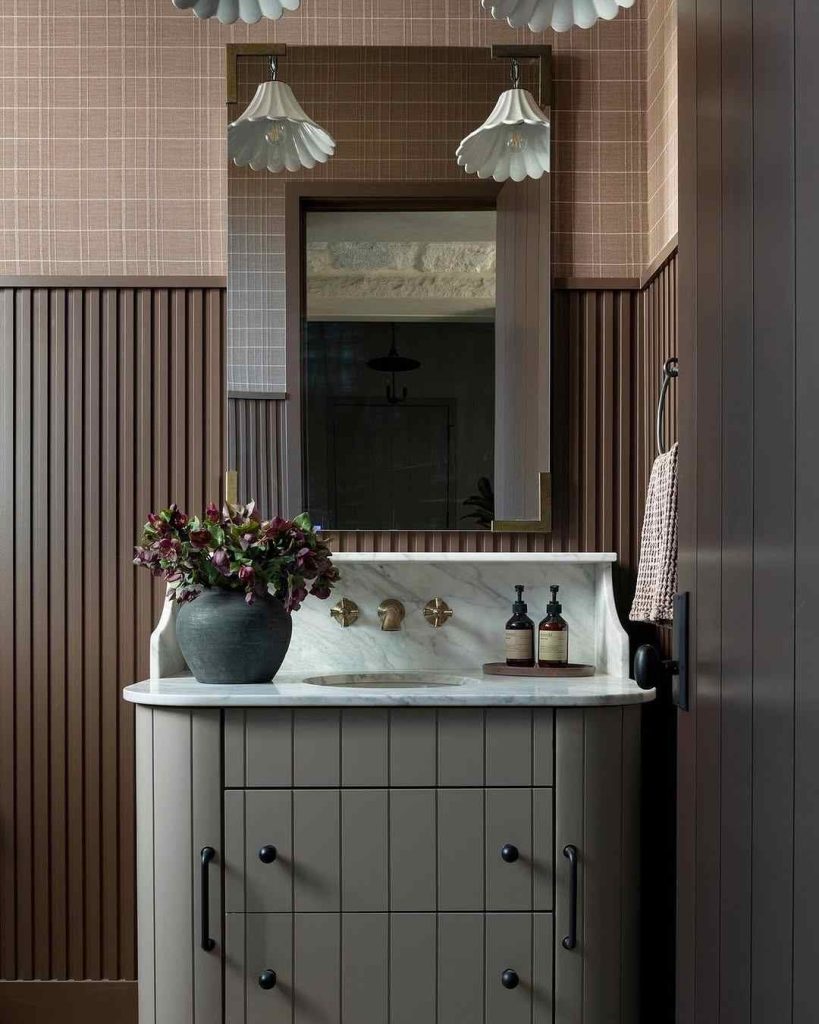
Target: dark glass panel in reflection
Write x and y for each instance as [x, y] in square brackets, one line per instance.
[379, 459]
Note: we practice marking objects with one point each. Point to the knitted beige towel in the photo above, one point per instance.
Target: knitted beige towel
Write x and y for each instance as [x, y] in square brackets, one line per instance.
[657, 575]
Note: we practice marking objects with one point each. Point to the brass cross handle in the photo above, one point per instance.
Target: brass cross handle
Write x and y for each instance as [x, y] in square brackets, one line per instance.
[437, 612]
[345, 612]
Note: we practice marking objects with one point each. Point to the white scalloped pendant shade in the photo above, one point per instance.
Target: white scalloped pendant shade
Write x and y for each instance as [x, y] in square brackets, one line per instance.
[228, 11]
[513, 142]
[560, 15]
[275, 134]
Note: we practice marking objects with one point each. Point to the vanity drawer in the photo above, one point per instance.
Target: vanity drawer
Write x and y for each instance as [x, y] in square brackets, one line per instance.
[397, 747]
[373, 850]
[388, 968]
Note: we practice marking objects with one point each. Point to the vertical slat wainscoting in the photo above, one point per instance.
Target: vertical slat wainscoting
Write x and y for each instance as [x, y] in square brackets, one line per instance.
[111, 404]
[609, 345]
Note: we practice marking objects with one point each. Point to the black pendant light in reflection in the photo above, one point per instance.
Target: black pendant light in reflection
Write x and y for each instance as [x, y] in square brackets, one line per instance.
[393, 363]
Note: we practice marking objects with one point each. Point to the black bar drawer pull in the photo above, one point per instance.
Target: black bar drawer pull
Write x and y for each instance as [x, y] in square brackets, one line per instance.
[206, 856]
[570, 940]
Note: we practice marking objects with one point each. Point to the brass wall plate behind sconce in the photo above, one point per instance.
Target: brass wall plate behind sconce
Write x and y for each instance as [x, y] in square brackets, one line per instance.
[543, 524]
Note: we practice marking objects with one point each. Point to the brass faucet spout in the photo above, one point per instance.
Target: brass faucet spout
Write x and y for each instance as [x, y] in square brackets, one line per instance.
[391, 613]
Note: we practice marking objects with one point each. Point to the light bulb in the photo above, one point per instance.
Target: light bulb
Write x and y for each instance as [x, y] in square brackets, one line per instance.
[276, 133]
[516, 142]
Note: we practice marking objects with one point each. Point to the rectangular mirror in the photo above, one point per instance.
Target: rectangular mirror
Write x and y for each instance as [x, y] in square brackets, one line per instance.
[388, 363]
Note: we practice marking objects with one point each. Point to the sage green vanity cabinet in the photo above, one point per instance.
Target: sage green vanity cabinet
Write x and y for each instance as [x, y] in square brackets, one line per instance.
[388, 865]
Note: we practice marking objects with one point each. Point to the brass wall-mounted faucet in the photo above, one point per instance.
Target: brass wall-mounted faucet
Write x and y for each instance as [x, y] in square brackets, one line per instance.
[391, 613]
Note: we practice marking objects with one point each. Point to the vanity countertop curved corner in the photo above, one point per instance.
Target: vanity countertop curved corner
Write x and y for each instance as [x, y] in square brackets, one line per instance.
[290, 690]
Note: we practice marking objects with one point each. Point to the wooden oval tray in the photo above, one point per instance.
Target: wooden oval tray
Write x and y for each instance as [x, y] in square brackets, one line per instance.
[500, 668]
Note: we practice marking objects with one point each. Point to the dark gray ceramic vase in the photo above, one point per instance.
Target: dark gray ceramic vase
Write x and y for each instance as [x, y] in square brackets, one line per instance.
[226, 640]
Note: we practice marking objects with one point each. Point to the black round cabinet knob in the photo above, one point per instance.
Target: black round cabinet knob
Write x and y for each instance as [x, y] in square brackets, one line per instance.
[268, 854]
[509, 853]
[267, 979]
[510, 979]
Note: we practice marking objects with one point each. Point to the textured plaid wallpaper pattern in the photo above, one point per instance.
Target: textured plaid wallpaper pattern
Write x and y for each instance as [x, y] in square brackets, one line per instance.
[112, 116]
[661, 124]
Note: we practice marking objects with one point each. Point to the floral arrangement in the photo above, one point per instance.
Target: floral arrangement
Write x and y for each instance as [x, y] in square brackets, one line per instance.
[236, 550]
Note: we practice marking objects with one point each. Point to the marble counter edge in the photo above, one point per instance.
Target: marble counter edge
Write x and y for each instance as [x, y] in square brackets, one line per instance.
[426, 557]
[512, 692]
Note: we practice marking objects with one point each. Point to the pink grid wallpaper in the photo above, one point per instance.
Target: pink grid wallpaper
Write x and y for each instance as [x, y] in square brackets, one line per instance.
[112, 116]
[661, 123]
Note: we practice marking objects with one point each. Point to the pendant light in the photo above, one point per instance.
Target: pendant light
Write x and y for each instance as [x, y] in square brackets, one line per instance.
[514, 141]
[559, 15]
[393, 363]
[228, 11]
[275, 134]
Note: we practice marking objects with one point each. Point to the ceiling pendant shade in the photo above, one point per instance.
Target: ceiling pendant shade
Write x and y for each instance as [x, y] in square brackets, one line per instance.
[513, 142]
[275, 134]
[560, 15]
[229, 11]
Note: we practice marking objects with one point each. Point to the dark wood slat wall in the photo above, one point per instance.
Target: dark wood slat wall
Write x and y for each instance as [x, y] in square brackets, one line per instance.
[609, 347]
[110, 405]
[749, 750]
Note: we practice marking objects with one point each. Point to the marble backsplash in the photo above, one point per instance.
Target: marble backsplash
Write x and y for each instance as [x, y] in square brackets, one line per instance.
[479, 588]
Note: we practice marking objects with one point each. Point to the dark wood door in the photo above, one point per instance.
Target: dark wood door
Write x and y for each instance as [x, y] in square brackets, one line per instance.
[748, 755]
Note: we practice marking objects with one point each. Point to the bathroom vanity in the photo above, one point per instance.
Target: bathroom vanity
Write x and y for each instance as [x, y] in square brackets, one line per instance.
[396, 854]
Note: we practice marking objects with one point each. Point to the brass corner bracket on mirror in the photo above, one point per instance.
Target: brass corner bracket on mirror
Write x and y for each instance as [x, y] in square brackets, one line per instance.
[233, 51]
[543, 524]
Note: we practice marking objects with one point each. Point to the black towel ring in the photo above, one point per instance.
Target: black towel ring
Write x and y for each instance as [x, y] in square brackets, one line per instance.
[670, 372]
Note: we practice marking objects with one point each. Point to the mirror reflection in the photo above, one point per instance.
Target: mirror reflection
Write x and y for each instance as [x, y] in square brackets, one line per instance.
[388, 370]
[398, 368]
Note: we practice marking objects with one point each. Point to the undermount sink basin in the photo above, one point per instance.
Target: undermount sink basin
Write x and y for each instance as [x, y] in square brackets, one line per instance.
[399, 680]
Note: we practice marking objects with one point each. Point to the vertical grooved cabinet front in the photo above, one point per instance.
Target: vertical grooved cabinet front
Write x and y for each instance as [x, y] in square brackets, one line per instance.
[389, 865]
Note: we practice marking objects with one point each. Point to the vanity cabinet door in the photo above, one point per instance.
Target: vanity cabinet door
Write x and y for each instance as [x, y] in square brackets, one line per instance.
[179, 812]
[597, 800]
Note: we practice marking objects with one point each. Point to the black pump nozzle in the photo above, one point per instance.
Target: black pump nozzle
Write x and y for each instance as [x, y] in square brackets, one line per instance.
[520, 605]
[554, 607]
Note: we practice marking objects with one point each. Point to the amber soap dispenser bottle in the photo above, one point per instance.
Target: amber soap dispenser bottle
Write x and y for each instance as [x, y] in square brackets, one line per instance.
[553, 636]
[520, 635]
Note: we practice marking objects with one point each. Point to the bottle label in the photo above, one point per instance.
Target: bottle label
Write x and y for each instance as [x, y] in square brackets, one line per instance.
[553, 645]
[520, 644]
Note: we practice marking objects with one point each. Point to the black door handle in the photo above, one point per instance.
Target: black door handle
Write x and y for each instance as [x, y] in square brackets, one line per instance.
[267, 979]
[206, 855]
[570, 940]
[509, 978]
[509, 853]
[650, 670]
[268, 854]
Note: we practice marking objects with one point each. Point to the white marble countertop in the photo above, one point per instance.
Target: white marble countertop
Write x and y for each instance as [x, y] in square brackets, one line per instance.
[475, 691]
